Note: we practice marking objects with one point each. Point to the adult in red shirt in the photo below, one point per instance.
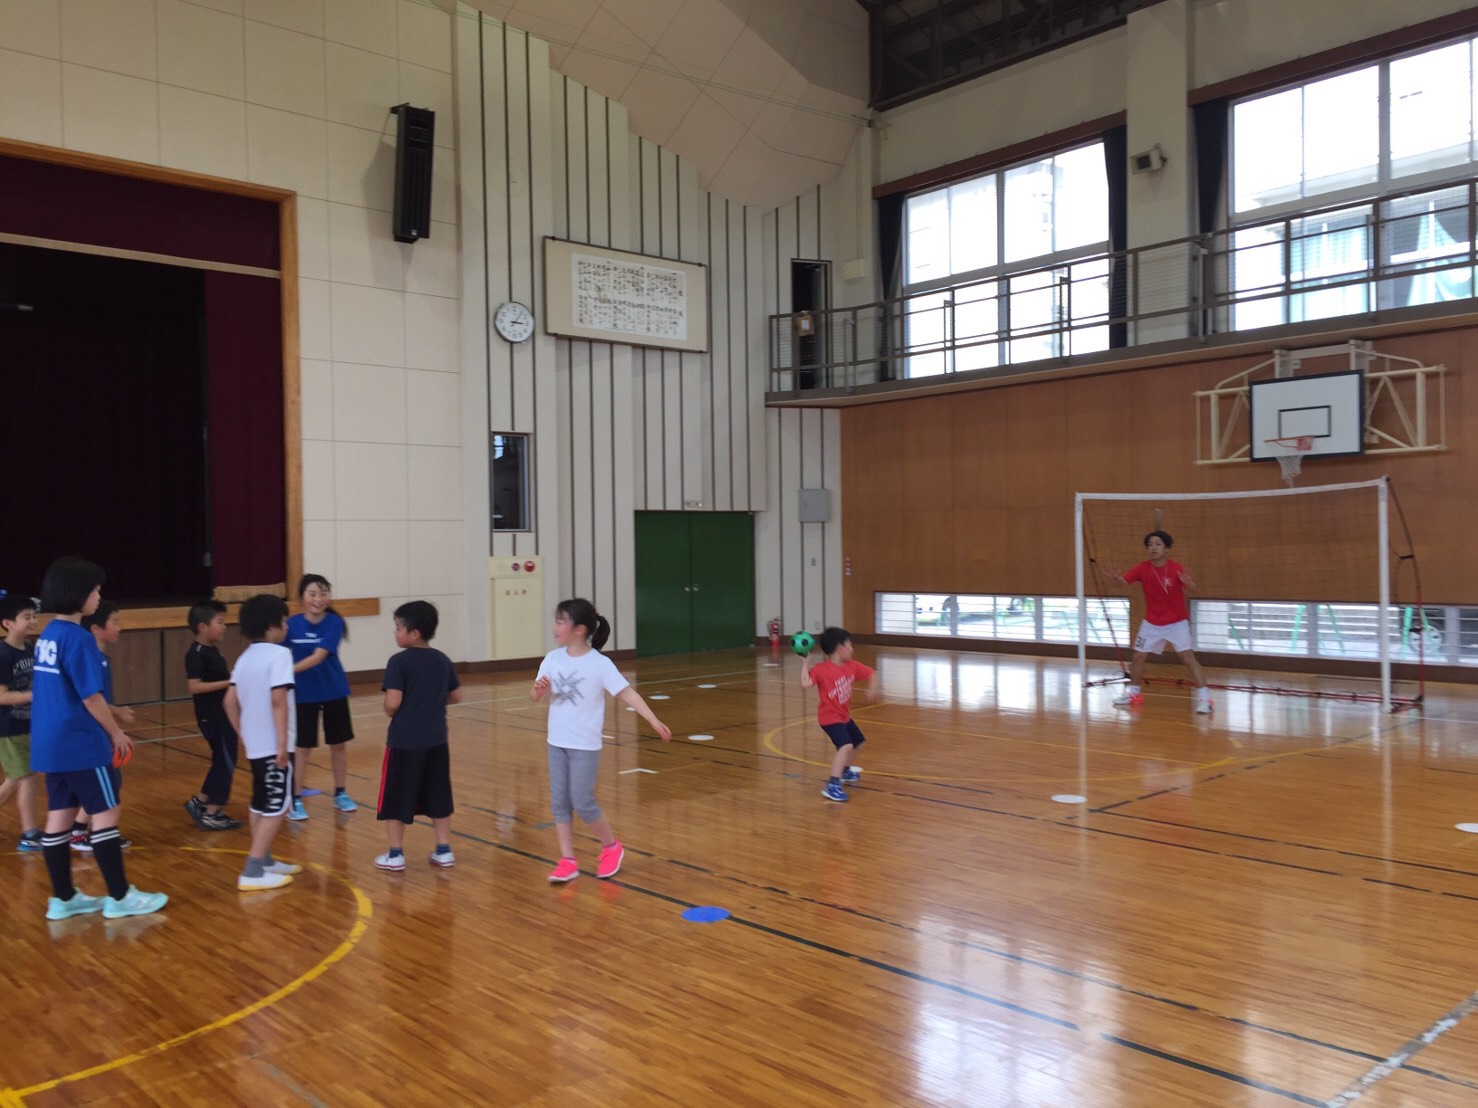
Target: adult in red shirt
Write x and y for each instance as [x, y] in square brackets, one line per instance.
[834, 679]
[1167, 618]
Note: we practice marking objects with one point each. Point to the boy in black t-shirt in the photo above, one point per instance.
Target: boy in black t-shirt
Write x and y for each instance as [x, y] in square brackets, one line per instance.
[417, 777]
[17, 621]
[209, 678]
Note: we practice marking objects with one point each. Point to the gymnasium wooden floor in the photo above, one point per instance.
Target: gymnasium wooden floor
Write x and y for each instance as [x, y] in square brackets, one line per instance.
[1254, 908]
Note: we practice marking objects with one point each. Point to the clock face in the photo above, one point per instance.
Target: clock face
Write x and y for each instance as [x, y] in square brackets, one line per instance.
[514, 321]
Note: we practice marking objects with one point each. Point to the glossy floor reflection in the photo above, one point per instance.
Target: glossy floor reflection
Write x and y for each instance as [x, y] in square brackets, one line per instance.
[1256, 907]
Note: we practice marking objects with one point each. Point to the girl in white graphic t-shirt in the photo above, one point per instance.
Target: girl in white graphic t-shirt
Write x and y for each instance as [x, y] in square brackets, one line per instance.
[577, 677]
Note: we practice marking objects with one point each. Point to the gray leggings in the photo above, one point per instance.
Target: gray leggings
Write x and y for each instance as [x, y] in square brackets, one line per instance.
[572, 784]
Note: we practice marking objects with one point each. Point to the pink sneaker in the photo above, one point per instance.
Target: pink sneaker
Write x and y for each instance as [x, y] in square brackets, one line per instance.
[567, 870]
[610, 860]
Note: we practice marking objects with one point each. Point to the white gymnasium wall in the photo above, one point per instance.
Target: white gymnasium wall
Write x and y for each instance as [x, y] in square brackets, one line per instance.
[296, 94]
[1236, 38]
[798, 565]
[616, 429]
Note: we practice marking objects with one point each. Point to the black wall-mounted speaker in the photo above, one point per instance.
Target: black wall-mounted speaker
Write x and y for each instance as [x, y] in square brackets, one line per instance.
[415, 140]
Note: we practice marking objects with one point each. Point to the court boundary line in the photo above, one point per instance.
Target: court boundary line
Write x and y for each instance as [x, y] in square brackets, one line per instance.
[364, 912]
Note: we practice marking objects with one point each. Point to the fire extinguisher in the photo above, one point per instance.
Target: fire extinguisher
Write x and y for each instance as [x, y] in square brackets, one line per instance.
[774, 634]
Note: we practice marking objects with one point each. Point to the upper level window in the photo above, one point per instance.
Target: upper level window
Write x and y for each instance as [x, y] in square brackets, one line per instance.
[1371, 130]
[1046, 207]
[994, 268]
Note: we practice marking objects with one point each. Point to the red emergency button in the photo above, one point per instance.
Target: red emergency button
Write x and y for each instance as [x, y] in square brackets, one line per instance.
[529, 566]
[516, 567]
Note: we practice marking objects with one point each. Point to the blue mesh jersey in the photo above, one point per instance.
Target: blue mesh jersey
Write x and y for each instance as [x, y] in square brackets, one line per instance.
[68, 669]
[326, 680]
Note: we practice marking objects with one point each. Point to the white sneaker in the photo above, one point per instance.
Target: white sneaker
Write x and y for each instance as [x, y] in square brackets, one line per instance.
[393, 862]
[288, 868]
[1203, 706]
[268, 880]
[445, 860]
[1129, 698]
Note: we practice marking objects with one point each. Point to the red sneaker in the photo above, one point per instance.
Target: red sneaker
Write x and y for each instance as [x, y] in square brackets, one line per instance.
[610, 860]
[567, 870]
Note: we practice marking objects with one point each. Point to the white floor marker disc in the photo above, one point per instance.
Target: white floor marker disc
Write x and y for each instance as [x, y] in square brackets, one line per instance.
[708, 686]
[700, 738]
[1070, 798]
[1470, 828]
[659, 696]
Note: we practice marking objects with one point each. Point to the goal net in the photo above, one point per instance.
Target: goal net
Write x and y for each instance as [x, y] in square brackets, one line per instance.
[1321, 577]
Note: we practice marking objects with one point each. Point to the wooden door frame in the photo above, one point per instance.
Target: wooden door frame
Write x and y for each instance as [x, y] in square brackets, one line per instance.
[287, 280]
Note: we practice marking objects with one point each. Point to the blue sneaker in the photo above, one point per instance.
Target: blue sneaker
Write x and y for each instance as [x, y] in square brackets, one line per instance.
[80, 905]
[297, 811]
[851, 775]
[833, 791]
[345, 803]
[134, 903]
[29, 844]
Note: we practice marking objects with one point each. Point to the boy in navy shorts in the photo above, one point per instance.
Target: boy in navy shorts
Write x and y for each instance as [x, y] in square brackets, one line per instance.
[76, 741]
[259, 705]
[834, 679]
[417, 775]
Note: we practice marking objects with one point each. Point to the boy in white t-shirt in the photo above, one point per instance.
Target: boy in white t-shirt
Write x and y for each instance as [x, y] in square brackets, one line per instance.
[260, 706]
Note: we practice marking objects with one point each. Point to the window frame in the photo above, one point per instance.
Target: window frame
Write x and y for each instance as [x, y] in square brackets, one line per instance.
[1001, 273]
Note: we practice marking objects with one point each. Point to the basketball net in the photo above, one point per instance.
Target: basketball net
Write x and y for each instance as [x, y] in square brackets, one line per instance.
[1290, 454]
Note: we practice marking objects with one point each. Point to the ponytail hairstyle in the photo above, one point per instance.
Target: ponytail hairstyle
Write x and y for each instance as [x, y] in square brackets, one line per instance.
[582, 613]
[321, 581]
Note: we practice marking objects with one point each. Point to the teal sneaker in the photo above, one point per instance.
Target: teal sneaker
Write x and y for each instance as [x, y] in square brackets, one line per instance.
[297, 812]
[80, 905]
[345, 803]
[134, 904]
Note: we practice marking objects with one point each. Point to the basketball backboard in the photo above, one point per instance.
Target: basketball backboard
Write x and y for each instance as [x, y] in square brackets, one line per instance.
[1328, 409]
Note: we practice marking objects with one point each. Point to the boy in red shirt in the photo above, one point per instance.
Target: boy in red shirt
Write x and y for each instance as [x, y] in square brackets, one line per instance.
[1167, 618]
[834, 679]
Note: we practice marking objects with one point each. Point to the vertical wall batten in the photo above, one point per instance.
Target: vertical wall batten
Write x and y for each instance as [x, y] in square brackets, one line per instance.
[616, 428]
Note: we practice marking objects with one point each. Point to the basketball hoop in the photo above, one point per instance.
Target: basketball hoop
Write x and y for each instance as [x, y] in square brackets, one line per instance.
[1290, 454]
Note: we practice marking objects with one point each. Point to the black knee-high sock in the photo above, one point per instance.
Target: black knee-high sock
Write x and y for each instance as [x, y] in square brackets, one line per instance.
[58, 853]
[108, 852]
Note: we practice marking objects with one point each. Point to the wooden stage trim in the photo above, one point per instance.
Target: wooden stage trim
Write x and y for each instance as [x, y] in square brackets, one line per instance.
[167, 619]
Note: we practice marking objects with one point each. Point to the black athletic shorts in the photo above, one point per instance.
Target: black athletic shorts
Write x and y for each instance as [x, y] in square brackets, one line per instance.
[271, 786]
[416, 783]
[337, 726]
[844, 734]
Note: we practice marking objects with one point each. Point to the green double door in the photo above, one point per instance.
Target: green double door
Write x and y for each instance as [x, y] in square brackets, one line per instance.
[694, 581]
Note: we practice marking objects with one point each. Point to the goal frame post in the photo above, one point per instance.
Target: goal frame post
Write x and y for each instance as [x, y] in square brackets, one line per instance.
[1380, 485]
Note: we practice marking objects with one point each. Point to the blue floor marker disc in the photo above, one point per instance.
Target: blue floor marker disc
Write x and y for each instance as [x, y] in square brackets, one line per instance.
[705, 915]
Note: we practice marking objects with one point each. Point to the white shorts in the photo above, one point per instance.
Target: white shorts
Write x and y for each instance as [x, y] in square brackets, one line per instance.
[1155, 637]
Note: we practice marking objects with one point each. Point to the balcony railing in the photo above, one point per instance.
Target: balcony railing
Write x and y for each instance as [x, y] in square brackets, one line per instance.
[1395, 251]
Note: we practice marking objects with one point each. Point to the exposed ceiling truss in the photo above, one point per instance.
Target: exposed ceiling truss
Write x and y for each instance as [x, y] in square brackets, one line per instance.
[921, 46]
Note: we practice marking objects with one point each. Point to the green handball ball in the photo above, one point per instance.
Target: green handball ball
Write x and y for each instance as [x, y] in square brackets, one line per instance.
[802, 643]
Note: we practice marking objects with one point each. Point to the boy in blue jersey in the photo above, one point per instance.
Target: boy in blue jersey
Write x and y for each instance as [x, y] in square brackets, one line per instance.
[74, 741]
[314, 636]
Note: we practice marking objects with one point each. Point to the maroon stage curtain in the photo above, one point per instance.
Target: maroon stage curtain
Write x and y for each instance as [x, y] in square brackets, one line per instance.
[102, 209]
[121, 370]
[243, 350]
[101, 388]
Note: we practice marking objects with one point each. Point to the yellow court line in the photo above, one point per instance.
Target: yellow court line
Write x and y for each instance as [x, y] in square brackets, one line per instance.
[361, 924]
[771, 744]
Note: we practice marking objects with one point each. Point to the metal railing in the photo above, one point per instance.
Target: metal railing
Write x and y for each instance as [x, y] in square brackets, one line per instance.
[1354, 258]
